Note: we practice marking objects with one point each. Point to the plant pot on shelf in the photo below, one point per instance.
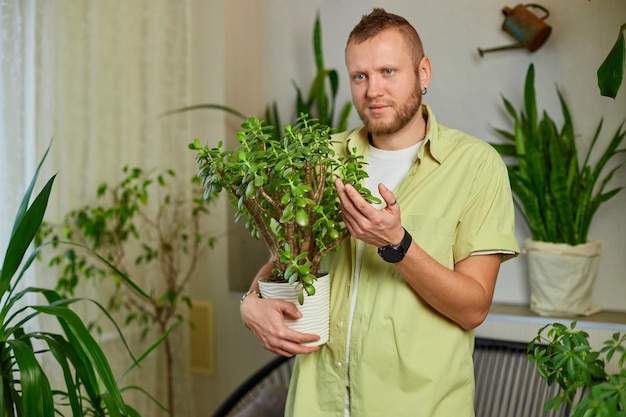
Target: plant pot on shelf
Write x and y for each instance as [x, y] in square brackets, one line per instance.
[315, 309]
[562, 277]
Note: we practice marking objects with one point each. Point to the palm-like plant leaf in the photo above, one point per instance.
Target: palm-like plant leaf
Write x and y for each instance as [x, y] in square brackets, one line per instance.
[36, 398]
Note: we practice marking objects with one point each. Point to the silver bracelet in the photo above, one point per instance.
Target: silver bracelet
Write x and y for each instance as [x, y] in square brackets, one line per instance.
[247, 293]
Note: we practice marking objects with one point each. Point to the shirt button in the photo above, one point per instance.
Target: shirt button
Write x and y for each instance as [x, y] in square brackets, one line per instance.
[340, 324]
[338, 364]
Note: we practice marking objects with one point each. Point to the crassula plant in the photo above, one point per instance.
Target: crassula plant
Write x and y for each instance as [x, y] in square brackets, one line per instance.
[284, 189]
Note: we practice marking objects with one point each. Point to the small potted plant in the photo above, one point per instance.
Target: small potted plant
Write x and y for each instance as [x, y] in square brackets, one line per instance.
[557, 198]
[563, 355]
[284, 188]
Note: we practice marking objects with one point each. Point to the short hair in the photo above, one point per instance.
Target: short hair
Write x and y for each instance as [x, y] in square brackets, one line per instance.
[378, 20]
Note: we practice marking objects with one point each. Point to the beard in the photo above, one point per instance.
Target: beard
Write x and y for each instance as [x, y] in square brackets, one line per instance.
[404, 114]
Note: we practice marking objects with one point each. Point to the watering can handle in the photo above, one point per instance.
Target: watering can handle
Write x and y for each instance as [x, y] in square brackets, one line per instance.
[540, 7]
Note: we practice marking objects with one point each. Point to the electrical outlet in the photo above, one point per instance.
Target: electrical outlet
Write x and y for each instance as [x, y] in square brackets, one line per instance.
[202, 343]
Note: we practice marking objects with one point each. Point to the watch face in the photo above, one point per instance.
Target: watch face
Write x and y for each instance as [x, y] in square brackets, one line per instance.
[395, 253]
[391, 254]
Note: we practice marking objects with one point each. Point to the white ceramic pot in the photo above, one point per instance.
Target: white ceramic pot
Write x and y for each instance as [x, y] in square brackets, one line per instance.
[562, 277]
[315, 310]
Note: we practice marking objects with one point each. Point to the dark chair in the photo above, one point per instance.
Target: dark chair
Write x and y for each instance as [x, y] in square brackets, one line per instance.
[507, 384]
[276, 373]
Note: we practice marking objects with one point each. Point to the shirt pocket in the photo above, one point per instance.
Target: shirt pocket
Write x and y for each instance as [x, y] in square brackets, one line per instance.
[433, 234]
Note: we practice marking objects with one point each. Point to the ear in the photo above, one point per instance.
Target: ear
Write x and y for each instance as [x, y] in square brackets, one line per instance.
[425, 71]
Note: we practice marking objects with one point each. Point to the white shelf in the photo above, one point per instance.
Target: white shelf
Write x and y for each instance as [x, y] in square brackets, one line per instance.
[518, 323]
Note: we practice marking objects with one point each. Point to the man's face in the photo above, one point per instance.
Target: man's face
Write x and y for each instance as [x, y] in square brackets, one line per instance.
[385, 89]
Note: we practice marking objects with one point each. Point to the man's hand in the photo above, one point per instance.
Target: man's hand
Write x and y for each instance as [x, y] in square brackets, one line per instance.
[375, 227]
[265, 319]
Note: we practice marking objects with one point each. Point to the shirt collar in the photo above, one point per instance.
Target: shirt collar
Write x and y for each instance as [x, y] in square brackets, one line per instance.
[432, 148]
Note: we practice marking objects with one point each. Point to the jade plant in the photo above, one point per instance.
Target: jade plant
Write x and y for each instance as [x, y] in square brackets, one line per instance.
[563, 355]
[88, 386]
[556, 195]
[284, 188]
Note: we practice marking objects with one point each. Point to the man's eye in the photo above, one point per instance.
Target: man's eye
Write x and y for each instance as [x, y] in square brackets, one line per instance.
[388, 71]
[359, 77]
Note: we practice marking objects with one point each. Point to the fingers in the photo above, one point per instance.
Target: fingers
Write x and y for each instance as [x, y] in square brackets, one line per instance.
[353, 205]
[388, 196]
[353, 202]
[265, 319]
[365, 222]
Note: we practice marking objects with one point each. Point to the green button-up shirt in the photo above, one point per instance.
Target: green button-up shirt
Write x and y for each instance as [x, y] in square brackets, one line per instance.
[405, 358]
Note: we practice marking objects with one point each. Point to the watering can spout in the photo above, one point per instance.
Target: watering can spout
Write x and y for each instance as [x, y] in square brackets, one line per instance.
[529, 29]
[482, 51]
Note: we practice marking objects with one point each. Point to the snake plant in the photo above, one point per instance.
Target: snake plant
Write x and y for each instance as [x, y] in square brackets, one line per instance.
[90, 388]
[556, 195]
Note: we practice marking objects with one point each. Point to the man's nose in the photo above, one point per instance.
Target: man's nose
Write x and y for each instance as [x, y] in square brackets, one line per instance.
[374, 87]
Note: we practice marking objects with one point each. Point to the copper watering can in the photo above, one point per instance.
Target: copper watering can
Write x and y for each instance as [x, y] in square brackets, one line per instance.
[529, 29]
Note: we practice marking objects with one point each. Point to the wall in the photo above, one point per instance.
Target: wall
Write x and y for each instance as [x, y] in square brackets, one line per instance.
[249, 52]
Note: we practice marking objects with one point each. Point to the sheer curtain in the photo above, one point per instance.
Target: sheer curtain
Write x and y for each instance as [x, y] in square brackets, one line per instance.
[94, 75]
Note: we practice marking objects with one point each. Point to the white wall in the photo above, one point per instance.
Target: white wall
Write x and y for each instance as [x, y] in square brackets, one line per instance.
[249, 52]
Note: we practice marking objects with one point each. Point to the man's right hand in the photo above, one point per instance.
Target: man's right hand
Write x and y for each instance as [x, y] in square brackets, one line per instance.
[265, 319]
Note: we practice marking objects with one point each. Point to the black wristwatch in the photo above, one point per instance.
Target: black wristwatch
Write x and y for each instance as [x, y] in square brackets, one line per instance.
[395, 253]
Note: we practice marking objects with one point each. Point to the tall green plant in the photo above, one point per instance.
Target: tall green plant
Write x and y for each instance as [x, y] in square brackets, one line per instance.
[556, 195]
[25, 389]
[145, 213]
[321, 101]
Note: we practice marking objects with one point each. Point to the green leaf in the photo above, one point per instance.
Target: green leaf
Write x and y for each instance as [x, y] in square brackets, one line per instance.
[92, 350]
[611, 71]
[302, 218]
[36, 393]
[24, 232]
[62, 350]
[205, 106]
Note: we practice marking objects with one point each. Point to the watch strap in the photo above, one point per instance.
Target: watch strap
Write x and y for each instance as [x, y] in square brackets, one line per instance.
[405, 243]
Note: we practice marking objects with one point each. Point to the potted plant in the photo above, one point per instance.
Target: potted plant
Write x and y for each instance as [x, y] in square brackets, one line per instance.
[557, 198]
[284, 188]
[90, 388]
[563, 355]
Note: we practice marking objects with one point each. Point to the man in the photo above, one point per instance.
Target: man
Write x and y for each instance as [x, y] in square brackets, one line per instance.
[419, 272]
